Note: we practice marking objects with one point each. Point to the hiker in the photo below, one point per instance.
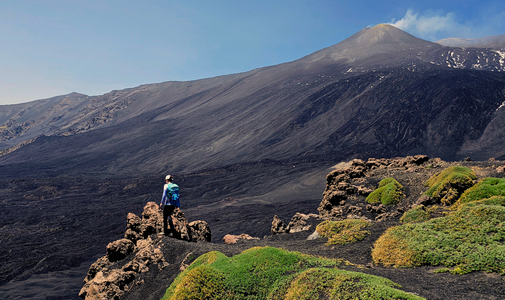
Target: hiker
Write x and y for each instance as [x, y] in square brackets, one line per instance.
[169, 202]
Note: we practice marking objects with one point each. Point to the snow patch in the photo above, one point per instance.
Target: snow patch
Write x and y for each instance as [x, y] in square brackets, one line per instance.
[502, 105]
[502, 56]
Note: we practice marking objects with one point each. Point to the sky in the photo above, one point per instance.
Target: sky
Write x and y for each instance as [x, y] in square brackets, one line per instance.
[55, 47]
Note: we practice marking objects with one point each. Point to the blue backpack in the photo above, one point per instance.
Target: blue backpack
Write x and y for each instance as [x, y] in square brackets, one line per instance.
[173, 194]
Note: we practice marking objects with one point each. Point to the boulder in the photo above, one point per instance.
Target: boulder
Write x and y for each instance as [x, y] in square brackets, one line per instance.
[232, 239]
[133, 228]
[199, 231]
[107, 285]
[102, 283]
[152, 220]
[100, 265]
[133, 222]
[278, 226]
[119, 249]
[181, 225]
[313, 236]
[299, 222]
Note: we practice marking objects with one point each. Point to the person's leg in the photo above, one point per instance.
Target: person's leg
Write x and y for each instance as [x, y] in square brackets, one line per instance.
[171, 223]
[166, 215]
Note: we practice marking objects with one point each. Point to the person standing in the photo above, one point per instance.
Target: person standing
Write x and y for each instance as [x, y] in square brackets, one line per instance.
[169, 202]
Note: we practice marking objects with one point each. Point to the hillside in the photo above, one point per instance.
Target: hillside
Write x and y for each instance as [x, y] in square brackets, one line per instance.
[379, 92]
[244, 148]
[425, 281]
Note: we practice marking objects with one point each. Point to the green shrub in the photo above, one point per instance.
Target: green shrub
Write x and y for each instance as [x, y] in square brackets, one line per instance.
[486, 188]
[446, 186]
[202, 282]
[389, 192]
[271, 273]
[470, 239]
[421, 213]
[417, 214]
[319, 283]
[343, 232]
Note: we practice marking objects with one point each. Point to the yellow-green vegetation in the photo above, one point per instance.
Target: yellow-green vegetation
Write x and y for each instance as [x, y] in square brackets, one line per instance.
[485, 188]
[419, 214]
[415, 215]
[271, 273]
[469, 239]
[343, 232]
[389, 192]
[446, 186]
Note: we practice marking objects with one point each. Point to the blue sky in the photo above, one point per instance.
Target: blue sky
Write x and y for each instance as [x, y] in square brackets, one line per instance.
[54, 47]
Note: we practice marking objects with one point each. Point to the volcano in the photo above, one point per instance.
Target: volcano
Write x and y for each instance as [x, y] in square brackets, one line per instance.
[381, 91]
[241, 146]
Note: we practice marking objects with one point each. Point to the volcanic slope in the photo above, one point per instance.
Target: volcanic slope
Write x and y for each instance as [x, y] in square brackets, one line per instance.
[381, 92]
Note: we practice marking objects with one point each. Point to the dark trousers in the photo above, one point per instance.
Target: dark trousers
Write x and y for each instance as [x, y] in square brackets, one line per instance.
[167, 212]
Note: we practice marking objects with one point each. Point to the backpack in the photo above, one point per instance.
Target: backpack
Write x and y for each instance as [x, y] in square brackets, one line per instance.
[173, 194]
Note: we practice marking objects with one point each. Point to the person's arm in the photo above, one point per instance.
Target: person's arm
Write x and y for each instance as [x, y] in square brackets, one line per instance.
[163, 199]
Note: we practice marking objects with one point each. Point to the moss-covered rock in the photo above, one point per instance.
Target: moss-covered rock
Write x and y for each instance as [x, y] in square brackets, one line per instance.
[469, 239]
[447, 186]
[484, 189]
[343, 232]
[389, 192]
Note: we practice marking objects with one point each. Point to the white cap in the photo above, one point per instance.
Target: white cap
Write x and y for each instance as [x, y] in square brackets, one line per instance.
[169, 177]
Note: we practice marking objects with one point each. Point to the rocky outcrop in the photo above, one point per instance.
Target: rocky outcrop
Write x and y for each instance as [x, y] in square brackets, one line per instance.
[119, 249]
[346, 185]
[114, 274]
[232, 239]
[107, 285]
[299, 222]
[133, 231]
[181, 225]
[152, 222]
[199, 231]
[278, 226]
[105, 282]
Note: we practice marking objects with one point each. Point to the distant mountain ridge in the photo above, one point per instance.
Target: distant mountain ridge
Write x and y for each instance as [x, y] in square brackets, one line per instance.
[496, 42]
[381, 92]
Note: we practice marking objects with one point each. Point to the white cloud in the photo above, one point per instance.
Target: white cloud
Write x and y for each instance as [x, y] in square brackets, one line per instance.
[432, 25]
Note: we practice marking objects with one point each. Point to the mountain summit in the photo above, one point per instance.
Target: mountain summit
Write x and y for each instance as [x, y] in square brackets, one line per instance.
[382, 41]
[381, 92]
